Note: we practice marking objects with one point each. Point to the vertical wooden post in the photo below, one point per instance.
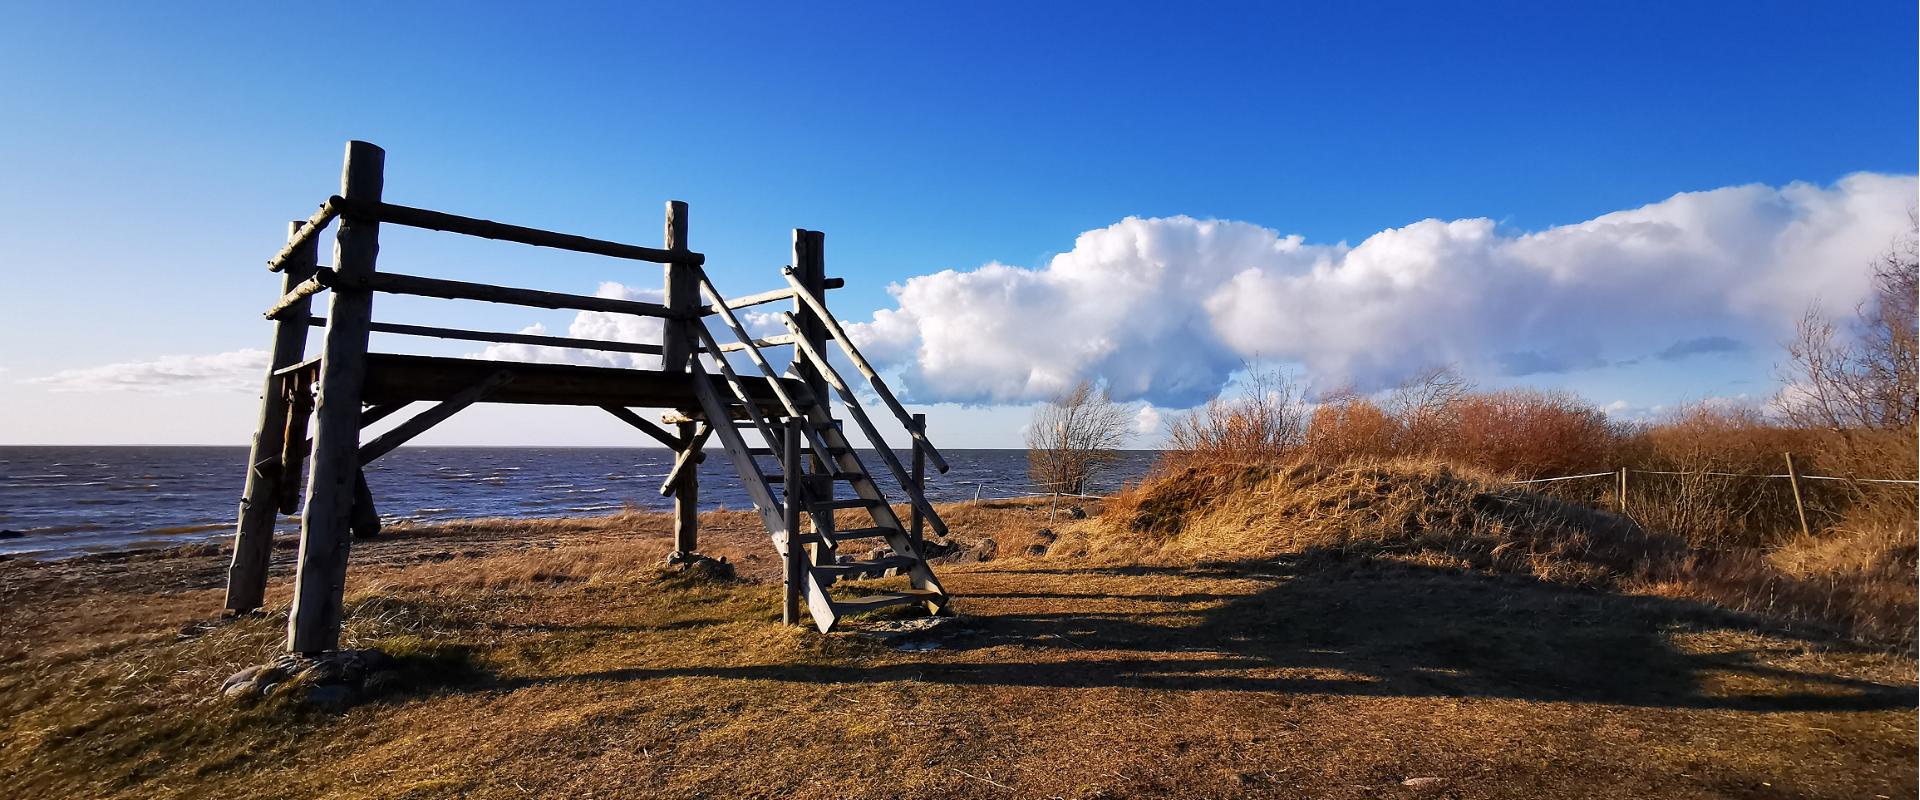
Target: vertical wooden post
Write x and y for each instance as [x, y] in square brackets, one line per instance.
[795, 559]
[686, 500]
[320, 585]
[916, 527]
[1623, 491]
[253, 534]
[810, 268]
[683, 295]
[1799, 504]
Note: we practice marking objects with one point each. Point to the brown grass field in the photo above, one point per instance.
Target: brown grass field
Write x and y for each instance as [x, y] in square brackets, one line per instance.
[552, 659]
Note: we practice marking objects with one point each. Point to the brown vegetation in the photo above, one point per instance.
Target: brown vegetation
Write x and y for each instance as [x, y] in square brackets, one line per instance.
[551, 658]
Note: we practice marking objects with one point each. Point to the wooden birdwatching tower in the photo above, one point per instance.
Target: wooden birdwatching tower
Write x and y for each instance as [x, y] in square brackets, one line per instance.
[347, 388]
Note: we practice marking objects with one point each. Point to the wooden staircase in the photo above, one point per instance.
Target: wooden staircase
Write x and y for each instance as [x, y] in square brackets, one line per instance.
[810, 457]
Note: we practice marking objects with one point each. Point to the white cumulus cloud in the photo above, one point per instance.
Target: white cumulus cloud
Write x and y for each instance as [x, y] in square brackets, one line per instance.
[1166, 309]
[238, 370]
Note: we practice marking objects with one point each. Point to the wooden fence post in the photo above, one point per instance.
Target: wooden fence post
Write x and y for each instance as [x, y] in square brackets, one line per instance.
[810, 268]
[1623, 491]
[916, 528]
[320, 584]
[677, 339]
[686, 499]
[795, 559]
[1799, 505]
[260, 504]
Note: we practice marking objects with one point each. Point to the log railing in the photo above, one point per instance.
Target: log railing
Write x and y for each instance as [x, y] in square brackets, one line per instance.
[839, 334]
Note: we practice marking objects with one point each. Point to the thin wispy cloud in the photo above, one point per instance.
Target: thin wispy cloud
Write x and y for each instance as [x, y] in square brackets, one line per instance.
[237, 370]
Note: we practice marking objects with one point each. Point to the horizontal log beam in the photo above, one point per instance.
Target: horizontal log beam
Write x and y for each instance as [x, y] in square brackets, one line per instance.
[771, 341]
[748, 301]
[488, 229]
[419, 423]
[328, 210]
[394, 283]
[506, 338]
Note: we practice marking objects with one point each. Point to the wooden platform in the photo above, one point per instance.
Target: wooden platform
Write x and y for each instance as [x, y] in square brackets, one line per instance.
[393, 378]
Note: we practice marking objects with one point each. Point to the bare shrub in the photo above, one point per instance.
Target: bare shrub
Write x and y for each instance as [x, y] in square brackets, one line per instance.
[1265, 424]
[1074, 436]
[1857, 383]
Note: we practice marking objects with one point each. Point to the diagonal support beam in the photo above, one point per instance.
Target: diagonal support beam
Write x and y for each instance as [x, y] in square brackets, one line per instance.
[421, 422]
[689, 456]
[658, 433]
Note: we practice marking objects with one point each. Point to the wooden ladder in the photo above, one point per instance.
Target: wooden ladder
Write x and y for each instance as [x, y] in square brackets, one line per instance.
[794, 422]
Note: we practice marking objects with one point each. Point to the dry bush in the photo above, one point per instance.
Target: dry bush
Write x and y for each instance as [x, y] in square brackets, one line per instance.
[1351, 428]
[1526, 432]
[1074, 436]
[1265, 424]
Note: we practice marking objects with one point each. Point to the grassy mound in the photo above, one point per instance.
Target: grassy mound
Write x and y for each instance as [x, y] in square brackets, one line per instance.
[1437, 514]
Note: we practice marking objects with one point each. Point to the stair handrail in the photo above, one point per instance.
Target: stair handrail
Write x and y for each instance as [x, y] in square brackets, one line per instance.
[805, 349]
[839, 334]
[752, 349]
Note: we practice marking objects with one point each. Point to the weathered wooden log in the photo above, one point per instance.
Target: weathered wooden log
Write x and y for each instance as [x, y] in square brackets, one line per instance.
[810, 266]
[753, 354]
[658, 433]
[298, 296]
[294, 444]
[748, 301]
[462, 290]
[314, 623]
[421, 422]
[682, 294]
[792, 555]
[917, 529]
[770, 341]
[866, 369]
[253, 533]
[874, 438]
[689, 456]
[305, 236]
[488, 229]
[507, 338]
[686, 504]
[365, 522]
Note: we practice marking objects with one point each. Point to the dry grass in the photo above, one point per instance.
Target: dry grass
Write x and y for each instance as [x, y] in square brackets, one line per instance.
[1861, 585]
[551, 659]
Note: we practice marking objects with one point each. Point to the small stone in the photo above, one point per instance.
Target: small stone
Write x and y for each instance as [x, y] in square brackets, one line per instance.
[247, 690]
[245, 676]
[1424, 783]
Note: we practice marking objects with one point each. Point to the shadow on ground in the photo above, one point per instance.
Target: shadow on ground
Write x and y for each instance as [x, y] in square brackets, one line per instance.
[1353, 626]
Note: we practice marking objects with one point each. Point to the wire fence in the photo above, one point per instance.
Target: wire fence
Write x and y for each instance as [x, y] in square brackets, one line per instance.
[1630, 471]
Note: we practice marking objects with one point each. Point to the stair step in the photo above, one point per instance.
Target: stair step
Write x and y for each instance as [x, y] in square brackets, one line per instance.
[845, 534]
[781, 477]
[843, 503]
[864, 568]
[869, 602]
[804, 451]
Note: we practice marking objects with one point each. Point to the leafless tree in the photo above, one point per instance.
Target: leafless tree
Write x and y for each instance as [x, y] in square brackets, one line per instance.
[1423, 405]
[1268, 422]
[1074, 436]
[1858, 380]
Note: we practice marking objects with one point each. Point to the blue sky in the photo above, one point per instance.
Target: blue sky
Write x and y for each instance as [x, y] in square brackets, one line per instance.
[153, 155]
